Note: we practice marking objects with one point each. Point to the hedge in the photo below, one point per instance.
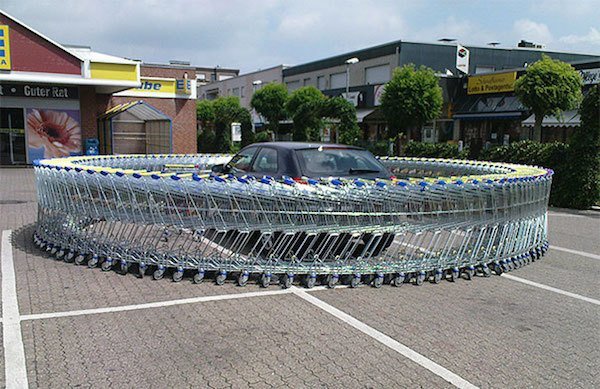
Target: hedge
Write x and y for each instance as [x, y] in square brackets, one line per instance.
[434, 150]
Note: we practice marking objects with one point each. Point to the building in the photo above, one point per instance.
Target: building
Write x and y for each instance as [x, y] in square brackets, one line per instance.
[363, 74]
[55, 99]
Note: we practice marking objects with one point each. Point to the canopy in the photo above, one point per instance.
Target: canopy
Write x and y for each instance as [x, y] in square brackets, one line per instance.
[569, 119]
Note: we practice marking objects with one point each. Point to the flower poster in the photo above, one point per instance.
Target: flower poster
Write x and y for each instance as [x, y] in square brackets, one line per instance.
[53, 133]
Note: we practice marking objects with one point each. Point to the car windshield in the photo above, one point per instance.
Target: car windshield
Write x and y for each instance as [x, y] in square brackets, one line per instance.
[324, 162]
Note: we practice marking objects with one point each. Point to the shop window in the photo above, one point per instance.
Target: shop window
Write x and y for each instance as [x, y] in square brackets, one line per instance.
[306, 82]
[337, 80]
[321, 83]
[377, 74]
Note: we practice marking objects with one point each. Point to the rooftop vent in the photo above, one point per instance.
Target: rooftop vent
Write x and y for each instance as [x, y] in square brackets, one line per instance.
[530, 45]
[180, 63]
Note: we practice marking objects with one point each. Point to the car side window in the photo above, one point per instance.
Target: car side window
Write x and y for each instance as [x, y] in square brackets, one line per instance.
[266, 161]
[243, 159]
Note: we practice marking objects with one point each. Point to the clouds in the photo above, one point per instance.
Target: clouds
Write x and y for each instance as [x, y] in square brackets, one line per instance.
[259, 34]
[531, 31]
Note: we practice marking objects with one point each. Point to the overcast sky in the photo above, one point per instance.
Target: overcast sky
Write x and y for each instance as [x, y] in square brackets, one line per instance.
[254, 34]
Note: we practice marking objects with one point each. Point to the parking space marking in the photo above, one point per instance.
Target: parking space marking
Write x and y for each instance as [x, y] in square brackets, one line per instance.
[15, 371]
[382, 338]
[551, 289]
[157, 304]
[576, 252]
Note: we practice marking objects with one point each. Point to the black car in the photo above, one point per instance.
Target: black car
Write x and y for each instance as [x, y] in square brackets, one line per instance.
[301, 159]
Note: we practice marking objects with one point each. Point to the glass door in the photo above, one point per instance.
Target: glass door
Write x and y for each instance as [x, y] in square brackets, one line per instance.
[13, 150]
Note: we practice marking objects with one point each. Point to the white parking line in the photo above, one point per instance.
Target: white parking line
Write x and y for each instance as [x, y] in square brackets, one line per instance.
[576, 252]
[158, 304]
[15, 371]
[551, 289]
[382, 338]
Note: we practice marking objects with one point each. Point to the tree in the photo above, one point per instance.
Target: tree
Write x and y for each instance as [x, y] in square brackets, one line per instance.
[305, 108]
[548, 87]
[205, 114]
[270, 103]
[584, 155]
[245, 119]
[227, 110]
[342, 109]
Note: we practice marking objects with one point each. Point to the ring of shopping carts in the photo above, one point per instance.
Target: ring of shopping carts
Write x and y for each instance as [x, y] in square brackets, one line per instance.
[164, 215]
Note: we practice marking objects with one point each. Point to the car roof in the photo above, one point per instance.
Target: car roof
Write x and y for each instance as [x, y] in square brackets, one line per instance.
[304, 145]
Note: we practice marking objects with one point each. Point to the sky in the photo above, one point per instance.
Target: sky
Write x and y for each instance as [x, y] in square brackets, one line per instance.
[257, 34]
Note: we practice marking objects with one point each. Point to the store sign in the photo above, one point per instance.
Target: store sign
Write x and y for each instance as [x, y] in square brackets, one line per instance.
[236, 132]
[590, 76]
[378, 93]
[4, 48]
[352, 97]
[462, 59]
[41, 91]
[163, 88]
[491, 83]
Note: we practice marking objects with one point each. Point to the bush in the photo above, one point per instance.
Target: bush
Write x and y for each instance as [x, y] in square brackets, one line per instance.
[433, 150]
[263, 136]
[379, 148]
[549, 155]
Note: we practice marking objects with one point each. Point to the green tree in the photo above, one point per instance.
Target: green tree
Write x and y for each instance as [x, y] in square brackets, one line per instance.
[305, 108]
[270, 103]
[227, 110]
[583, 167]
[548, 87]
[342, 109]
[412, 98]
[205, 114]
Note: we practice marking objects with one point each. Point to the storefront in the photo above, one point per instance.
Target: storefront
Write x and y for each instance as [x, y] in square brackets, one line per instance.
[49, 93]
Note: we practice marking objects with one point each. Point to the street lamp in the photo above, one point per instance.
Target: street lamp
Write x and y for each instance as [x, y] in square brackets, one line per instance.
[350, 61]
[255, 85]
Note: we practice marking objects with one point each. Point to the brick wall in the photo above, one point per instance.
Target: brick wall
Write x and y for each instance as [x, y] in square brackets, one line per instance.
[31, 53]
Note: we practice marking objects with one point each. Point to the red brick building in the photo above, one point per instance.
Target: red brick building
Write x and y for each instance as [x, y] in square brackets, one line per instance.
[53, 98]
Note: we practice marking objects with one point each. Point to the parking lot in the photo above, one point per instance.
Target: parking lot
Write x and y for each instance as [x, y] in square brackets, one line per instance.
[70, 326]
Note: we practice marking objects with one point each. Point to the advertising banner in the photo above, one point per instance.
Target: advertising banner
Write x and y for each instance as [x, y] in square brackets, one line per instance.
[462, 59]
[170, 88]
[590, 76]
[52, 133]
[491, 83]
[4, 48]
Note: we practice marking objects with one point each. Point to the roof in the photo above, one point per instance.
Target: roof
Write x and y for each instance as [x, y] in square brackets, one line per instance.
[39, 34]
[139, 109]
[87, 54]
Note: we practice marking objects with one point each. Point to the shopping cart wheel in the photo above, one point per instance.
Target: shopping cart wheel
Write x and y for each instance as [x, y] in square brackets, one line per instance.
[355, 281]
[80, 259]
[265, 280]
[420, 278]
[485, 270]
[378, 280]
[199, 277]
[178, 275]
[469, 272]
[106, 264]
[310, 280]
[221, 277]
[505, 266]
[398, 280]
[243, 278]
[497, 268]
[158, 274]
[332, 280]
[437, 276]
[123, 267]
[93, 261]
[454, 274]
[69, 257]
[142, 270]
[287, 280]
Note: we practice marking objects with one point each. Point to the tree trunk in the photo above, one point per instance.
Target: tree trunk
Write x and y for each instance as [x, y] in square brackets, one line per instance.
[537, 127]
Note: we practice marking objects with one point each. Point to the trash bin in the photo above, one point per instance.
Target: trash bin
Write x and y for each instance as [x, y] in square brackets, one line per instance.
[92, 146]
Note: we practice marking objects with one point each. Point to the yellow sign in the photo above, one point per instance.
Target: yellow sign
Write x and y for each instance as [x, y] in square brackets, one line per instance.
[114, 71]
[491, 83]
[4, 48]
[155, 86]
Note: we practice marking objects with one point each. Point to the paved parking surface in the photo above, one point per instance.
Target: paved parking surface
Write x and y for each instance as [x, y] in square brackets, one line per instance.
[87, 328]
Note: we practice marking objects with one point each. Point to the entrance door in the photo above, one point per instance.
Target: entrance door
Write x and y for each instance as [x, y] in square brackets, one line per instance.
[12, 137]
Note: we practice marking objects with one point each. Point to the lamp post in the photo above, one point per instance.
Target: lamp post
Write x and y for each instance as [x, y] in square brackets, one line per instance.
[350, 61]
[255, 86]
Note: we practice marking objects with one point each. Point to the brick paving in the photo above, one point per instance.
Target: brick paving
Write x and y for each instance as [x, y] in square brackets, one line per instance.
[493, 332]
